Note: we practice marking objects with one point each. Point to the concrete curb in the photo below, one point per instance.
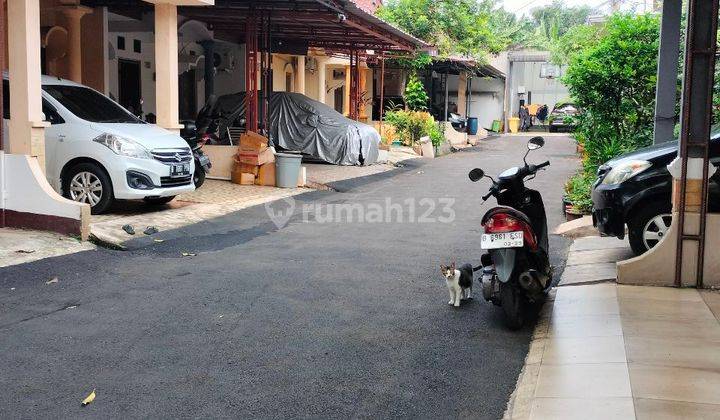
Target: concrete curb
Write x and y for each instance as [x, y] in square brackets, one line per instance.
[577, 228]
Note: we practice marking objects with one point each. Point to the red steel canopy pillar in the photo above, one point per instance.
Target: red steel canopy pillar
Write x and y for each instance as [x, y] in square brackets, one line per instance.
[382, 91]
[266, 70]
[251, 76]
[354, 109]
[695, 121]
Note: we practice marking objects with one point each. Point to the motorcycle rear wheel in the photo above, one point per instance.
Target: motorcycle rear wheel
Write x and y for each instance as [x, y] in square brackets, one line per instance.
[511, 302]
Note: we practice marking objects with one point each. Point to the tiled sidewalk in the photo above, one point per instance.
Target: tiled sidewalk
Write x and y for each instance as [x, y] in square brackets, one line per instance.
[606, 351]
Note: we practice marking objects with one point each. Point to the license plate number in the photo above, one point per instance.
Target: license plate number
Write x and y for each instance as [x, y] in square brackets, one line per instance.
[501, 240]
[180, 169]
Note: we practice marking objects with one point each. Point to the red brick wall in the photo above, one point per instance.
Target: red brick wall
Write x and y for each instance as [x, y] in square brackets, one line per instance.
[368, 5]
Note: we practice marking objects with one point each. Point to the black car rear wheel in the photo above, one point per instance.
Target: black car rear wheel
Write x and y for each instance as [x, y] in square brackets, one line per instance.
[649, 225]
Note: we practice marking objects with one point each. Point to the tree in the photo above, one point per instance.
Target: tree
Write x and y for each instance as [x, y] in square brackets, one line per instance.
[611, 76]
[555, 20]
[464, 27]
[415, 96]
[613, 80]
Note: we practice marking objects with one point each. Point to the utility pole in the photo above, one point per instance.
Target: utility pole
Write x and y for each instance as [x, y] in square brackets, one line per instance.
[667, 71]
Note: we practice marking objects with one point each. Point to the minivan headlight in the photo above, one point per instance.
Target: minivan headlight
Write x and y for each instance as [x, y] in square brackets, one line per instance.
[123, 146]
[625, 171]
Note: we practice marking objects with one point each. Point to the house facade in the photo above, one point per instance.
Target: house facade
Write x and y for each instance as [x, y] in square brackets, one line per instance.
[161, 59]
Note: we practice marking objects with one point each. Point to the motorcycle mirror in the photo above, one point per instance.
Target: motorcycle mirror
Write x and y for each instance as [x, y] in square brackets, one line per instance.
[476, 175]
[535, 143]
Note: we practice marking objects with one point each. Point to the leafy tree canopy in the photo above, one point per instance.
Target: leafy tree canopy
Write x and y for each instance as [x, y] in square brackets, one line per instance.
[553, 21]
[471, 28]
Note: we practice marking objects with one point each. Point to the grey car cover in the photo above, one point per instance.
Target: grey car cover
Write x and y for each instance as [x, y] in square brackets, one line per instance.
[299, 123]
[311, 127]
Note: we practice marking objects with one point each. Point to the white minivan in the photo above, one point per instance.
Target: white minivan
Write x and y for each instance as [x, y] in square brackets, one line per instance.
[96, 151]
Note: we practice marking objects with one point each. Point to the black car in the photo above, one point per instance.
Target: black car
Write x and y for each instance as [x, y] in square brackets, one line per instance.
[635, 190]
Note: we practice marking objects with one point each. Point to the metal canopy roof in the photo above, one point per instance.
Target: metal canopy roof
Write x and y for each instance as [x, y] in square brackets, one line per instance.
[334, 24]
[455, 65]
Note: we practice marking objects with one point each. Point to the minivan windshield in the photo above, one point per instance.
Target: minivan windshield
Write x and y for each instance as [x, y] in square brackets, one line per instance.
[90, 105]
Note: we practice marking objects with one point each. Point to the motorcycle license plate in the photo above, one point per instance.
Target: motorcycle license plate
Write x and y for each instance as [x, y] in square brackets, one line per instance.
[204, 160]
[501, 240]
[182, 169]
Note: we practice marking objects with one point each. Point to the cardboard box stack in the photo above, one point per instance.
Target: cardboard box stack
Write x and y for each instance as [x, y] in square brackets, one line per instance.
[254, 161]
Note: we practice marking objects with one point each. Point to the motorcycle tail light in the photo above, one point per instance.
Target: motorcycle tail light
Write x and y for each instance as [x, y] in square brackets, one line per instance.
[204, 139]
[503, 222]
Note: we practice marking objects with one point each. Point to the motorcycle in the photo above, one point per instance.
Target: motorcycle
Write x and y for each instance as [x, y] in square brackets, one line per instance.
[196, 134]
[516, 271]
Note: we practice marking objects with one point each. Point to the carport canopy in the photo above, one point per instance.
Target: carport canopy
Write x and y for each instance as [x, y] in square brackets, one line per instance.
[332, 24]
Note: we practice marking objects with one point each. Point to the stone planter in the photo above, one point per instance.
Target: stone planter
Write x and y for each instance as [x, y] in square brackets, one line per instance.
[572, 214]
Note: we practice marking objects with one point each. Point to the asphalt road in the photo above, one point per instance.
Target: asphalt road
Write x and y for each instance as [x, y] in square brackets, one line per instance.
[321, 320]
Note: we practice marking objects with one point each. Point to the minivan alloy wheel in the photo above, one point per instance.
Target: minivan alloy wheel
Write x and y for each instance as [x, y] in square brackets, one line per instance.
[656, 229]
[85, 187]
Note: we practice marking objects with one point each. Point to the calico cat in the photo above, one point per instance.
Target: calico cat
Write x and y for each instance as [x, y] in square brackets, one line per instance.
[459, 282]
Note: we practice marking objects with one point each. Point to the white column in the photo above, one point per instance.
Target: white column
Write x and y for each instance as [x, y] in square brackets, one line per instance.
[321, 79]
[166, 66]
[74, 52]
[300, 75]
[26, 128]
[462, 94]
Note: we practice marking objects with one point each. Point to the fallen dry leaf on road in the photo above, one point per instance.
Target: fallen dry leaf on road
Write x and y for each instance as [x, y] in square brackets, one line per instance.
[188, 254]
[90, 398]
[52, 280]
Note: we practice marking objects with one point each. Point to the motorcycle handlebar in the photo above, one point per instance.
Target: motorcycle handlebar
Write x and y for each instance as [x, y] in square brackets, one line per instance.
[525, 171]
[542, 165]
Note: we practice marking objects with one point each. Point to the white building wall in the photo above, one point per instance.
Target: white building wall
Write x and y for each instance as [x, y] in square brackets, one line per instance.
[486, 102]
[543, 91]
[230, 77]
[147, 65]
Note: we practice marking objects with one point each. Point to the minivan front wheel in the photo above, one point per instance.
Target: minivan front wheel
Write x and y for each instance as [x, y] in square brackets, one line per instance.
[88, 183]
[649, 226]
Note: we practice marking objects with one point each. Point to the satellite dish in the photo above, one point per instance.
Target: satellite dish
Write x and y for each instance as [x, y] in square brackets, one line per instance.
[194, 31]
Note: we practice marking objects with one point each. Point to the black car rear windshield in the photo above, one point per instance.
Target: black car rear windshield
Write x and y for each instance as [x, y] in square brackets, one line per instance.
[90, 105]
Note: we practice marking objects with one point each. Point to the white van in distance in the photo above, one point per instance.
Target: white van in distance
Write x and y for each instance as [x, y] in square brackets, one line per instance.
[96, 151]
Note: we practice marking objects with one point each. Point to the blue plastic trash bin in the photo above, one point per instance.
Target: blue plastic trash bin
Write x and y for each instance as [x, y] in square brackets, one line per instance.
[287, 169]
[472, 126]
